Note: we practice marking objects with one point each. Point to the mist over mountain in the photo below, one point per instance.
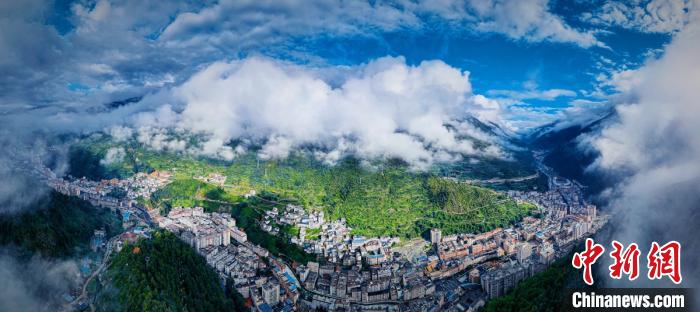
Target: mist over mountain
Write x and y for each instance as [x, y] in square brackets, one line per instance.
[459, 89]
[36, 283]
[644, 156]
[384, 109]
[655, 147]
[568, 151]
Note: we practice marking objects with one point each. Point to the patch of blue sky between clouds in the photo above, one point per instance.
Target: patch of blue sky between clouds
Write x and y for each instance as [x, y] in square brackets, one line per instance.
[496, 58]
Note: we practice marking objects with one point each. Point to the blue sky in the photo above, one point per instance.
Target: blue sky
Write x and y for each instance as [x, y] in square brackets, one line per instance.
[536, 57]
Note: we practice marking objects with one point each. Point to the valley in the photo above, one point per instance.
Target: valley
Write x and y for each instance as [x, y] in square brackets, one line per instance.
[364, 218]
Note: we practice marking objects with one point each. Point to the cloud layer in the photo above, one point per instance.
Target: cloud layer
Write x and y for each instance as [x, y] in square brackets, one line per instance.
[114, 49]
[19, 188]
[35, 284]
[655, 16]
[655, 148]
[384, 109]
[238, 22]
[529, 20]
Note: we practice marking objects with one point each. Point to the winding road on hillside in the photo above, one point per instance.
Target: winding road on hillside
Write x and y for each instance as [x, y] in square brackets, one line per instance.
[502, 180]
[105, 260]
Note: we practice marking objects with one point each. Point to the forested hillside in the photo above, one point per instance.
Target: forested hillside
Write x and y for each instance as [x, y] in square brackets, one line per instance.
[164, 274]
[376, 198]
[56, 226]
[390, 200]
[546, 291]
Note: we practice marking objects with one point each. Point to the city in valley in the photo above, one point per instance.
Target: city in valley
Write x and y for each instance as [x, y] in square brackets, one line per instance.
[457, 272]
[348, 155]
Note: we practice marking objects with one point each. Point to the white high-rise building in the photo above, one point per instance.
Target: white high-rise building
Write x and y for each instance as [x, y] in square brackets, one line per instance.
[523, 252]
[435, 236]
[271, 293]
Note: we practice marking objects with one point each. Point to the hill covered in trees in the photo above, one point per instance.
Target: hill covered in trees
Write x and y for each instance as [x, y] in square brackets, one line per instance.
[164, 274]
[56, 226]
[546, 291]
[384, 197]
[388, 200]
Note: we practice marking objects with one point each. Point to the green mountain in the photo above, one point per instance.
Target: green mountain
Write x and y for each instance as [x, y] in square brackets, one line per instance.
[164, 274]
[380, 198]
[547, 290]
[56, 226]
[566, 157]
[542, 292]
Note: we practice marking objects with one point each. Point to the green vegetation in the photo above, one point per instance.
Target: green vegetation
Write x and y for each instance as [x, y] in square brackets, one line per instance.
[312, 234]
[390, 200]
[540, 184]
[239, 303]
[470, 209]
[84, 163]
[542, 292]
[85, 160]
[520, 164]
[248, 214]
[188, 192]
[57, 226]
[164, 274]
[386, 199]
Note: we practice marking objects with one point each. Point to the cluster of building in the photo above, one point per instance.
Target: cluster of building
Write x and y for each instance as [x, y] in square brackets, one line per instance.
[293, 215]
[213, 178]
[200, 229]
[142, 185]
[459, 273]
[97, 241]
[561, 200]
[541, 241]
[332, 240]
[97, 193]
[112, 193]
[251, 276]
[454, 253]
[269, 287]
[533, 244]
[477, 267]
[119, 195]
[334, 286]
[400, 286]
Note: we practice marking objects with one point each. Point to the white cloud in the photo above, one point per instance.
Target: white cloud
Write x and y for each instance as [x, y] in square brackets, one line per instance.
[515, 113]
[120, 133]
[582, 112]
[244, 23]
[35, 284]
[276, 147]
[125, 48]
[655, 16]
[655, 147]
[543, 95]
[530, 20]
[621, 81]
[20, 189]
[113, 155]
[382, 109]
